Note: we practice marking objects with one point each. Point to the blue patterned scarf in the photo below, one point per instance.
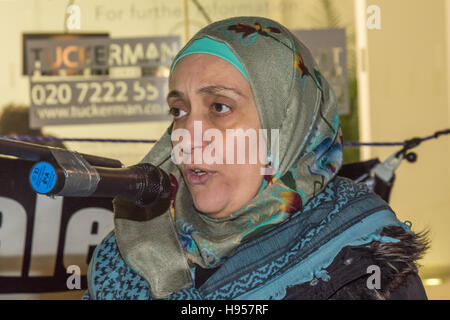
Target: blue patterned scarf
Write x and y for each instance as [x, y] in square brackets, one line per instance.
[296, 252]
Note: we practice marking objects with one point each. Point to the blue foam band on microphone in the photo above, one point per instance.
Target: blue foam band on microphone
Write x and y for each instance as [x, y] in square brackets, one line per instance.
[43, 177]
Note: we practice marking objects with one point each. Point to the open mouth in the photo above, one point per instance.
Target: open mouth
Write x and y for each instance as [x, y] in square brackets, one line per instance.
[195, 175]
[198, 172]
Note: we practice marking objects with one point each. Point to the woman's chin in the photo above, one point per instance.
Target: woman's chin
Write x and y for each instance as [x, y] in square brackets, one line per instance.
[209, 205]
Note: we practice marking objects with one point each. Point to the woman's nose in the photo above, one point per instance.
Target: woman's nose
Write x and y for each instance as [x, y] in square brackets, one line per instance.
[196, 126]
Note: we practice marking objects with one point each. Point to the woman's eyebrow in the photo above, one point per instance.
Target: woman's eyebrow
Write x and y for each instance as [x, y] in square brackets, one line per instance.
[216, 89]
[213, 89]
[175, 94]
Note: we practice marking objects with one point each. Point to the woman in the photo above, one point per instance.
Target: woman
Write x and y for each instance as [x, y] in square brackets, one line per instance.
[283, 227]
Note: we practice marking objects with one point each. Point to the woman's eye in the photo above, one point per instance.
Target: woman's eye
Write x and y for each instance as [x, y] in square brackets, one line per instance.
[176, 113]
[221, 108]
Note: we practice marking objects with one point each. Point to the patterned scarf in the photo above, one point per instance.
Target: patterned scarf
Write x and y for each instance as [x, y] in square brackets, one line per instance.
[291, 96]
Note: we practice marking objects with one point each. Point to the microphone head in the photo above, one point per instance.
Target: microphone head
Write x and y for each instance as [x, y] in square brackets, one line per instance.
[156, 184]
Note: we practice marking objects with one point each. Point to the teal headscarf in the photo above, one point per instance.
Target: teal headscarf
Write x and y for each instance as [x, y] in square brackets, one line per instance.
[213, 47]
[291, 96]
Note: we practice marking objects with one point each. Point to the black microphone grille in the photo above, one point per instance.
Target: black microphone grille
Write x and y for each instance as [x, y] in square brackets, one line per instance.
[155, 185]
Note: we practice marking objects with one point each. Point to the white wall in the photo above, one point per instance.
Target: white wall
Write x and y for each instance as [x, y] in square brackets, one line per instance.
[409, 69]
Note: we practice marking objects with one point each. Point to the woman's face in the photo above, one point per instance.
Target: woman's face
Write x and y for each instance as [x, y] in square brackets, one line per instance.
[208, 89]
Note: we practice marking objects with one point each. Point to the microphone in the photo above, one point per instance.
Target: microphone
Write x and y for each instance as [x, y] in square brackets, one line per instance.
[142, 184]
[60, 172]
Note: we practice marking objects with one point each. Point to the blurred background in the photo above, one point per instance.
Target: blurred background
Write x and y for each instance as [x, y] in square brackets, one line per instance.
[389, 61]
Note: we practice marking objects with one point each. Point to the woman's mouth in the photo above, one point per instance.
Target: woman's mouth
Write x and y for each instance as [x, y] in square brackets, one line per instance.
[196, 176]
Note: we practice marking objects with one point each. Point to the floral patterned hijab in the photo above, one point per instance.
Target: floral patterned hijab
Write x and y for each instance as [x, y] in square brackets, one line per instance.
[291, 96]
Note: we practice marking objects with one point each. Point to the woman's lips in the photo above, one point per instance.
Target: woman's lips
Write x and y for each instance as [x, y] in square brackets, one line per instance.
[199, 178]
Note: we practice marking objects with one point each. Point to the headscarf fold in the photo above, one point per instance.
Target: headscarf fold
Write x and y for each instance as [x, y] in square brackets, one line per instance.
[291, 96]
